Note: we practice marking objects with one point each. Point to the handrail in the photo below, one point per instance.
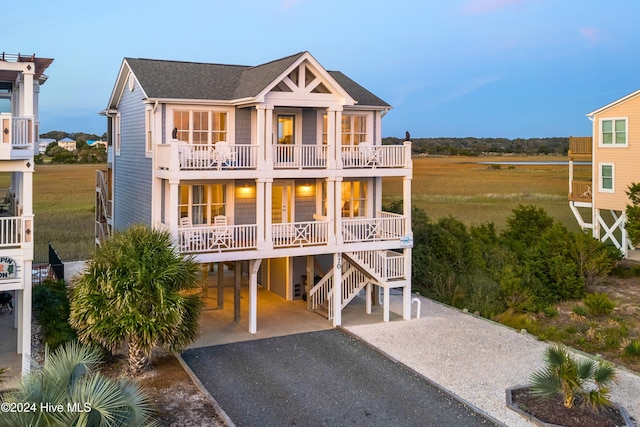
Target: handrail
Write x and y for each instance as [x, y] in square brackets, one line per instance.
[12, 231]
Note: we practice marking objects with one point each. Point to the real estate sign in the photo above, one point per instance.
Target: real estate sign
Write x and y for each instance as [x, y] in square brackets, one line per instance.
[8, 268]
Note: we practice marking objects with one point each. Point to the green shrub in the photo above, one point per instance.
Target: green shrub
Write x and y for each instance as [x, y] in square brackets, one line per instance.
[550, 311]
[631, 349]
[51, 311]
[598, 304]
[579, 310]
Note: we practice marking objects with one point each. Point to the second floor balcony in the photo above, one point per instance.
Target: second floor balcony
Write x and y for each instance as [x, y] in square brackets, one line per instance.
[181, 156]
[580, 146]
[211, 238]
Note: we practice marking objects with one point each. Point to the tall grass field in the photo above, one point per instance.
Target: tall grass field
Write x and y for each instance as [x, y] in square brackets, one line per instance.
[64, 195]
[477, 193]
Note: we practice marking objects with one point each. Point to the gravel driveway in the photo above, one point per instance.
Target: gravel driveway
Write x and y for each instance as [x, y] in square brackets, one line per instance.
[322, 378]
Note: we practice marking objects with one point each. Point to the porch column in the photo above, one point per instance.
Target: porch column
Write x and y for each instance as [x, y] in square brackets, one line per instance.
[259, 136]
[236, 290]
[385, 304]
[26, 93]
[266, 213]
[368, 289]
[406, 205]
[337, 289]
[338, 139]
[310, 279]
[338, 210]
[25, 313]
[260, 213]
[173, 211]
[254, 266]
[268, 135]
[220, 284]
[332, 155]
[406, 290]
[331, 209]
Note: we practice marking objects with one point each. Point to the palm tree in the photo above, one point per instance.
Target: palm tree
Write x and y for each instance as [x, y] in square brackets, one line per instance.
[571, 378]
[68, 391]
[134, 292]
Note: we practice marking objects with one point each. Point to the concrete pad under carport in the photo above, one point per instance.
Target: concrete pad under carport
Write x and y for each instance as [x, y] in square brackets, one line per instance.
[276, 316]
[9, 357]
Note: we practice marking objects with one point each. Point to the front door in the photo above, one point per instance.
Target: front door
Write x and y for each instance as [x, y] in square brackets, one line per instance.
[282, 202]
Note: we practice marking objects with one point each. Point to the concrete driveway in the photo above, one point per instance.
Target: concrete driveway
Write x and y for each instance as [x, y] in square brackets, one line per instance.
[323, 378]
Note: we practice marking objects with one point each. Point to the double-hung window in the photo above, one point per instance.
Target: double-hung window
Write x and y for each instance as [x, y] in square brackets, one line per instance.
[607, 177]
[613, 132]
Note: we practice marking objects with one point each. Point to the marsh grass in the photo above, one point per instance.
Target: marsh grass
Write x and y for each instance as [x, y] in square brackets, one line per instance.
[477, 194]
[63, 205]
[64, 196]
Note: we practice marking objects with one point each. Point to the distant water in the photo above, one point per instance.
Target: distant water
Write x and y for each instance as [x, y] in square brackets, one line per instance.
[558, 162]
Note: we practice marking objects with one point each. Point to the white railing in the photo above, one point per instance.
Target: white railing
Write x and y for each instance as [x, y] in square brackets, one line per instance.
[383, 264]
[300, 234]
[11, 231]
[374, 156]
[387, 226]
[299, 156]
[206, 156]
[321, 292]
[22, 133]
[198, 239]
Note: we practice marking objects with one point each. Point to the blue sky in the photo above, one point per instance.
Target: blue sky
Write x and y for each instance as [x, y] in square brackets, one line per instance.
[454, 68]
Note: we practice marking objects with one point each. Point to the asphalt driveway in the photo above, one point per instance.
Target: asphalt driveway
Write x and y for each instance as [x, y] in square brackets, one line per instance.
[324, 378]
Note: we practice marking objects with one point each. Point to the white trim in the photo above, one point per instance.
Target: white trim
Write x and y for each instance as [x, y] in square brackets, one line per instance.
[611, 104]
[601, 144]
[601, 187]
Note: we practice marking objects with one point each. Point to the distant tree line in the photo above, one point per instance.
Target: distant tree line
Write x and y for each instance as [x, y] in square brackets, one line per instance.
[470, 146]
[84, 153]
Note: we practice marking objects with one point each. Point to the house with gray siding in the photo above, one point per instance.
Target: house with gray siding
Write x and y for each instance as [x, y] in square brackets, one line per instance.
[275, 168]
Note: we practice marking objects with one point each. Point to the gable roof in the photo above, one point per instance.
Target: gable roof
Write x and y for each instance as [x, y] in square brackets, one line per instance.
[162, 79]
[616, 102]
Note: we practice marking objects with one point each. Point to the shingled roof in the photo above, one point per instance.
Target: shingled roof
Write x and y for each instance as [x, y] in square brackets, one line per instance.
[161, 79]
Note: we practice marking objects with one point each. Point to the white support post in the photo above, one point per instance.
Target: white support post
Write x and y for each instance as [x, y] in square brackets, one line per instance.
[385, 304]
[262, 214]
[268, 196]
[254, 266]
[406, 290]
[173, 211]
[337, 289]
[338, 210]
[368, 298]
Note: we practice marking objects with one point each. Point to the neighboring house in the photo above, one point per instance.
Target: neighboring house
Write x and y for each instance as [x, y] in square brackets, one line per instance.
[20, 81]
[43, 143]
[597, 188]
[94, 143]
[277, 168]
[68, 144]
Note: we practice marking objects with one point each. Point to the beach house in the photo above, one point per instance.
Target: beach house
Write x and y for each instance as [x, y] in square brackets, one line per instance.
[20, 81]
[601, 168]
[276, 170]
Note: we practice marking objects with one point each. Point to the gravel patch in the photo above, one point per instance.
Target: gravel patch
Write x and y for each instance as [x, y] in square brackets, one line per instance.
[472, 357]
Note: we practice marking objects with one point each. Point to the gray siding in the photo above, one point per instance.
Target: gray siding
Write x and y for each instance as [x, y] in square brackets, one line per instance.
[305, 203]
[244, 205]
[243, 126]
[132, 192]
[309, 126]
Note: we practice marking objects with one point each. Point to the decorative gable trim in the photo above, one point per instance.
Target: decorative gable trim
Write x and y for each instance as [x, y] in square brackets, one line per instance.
[306, 81]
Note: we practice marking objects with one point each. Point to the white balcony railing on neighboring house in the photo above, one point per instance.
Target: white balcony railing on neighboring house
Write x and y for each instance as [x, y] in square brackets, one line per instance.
[11, 231]
[17, 131]
[299, 156]
[387, 226]
[299, 234]
[202, 239]
[374, 156]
